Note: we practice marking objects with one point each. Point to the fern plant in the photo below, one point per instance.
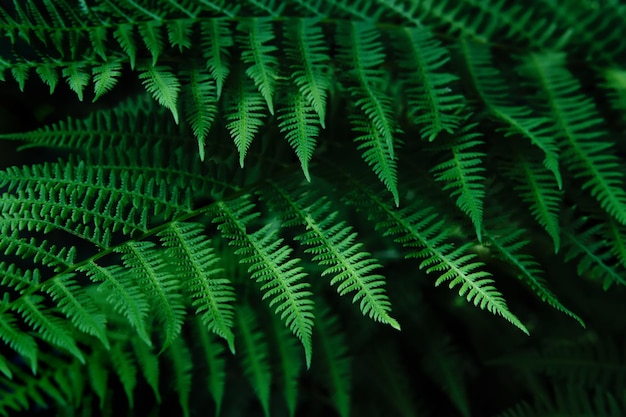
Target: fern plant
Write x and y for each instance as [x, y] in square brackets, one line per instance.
[251, 216]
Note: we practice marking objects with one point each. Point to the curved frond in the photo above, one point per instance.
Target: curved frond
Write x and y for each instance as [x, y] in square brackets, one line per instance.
[416, 227]
[255, 360]
[256, 41]
[163, 85]
[272, 266]
[431, 103]
[308, 57]
[362, 54]
[588, 153]
[212, 292]
[301, 128]
[463, 173]
[333, 244]
[160, 285]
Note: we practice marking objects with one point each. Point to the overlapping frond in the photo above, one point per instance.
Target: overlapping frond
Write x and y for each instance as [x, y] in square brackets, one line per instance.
[419, 228]
[587, 151]
[431, 104]
[272, 265]
[463, 173]
[334, 246]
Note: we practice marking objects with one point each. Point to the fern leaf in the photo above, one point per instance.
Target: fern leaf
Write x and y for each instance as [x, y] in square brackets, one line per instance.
[152, 36]
[161, 285]
[587, 155]
[4, 368]
[300, 127]
[51, 328]
[77, 78]
[538, 189]
[148, 364]
[518, 120]
[289, 363]
[163, 85]
[200, 106]
[204, 280]
[48, 74]
[216, 43]
[126, 370]
[72, 300]
[337, 363]
[271, 265]
[431, 103]
[417, 227]
[255, 355]
[377, 155]
[258, 54]
[105, 77]
[362, 54]
[20, 73]
[125, 37]
[309, 57]
[333, 245]
[464, 174]
[179, 33]
[507, 242]
[180, 356]
[244, 113]
[589, 246]
[98, 375]
[215, 362]
[21, 342]
[122, 292]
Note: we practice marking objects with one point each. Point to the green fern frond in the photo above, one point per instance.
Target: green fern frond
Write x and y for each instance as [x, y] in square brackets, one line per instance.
[199, 106]
[216, 43]
[77, 78]
[152, 37]
[255, 360]
[377, 154]
[431, 103]
[148, 362]
[180, 357]
[105, 77]
[301, 128]
[160, 285]
[120, 289]
[179, 33]
[124, 35]
[588, 245]
[508, 240]
[205, 282]
[333, 245]
[337, 363]
[163, 85]
[244, 113]
[215, 362]
[309, 56]
[271, 265]
[72, 301]
[519, 120]
[361, 53]
[539, 190]
[417, 227]
[256, 41]
[21, 342]
[587, 153]
[126, 369]
[463, 173]
[289, 363]
[52, 329]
